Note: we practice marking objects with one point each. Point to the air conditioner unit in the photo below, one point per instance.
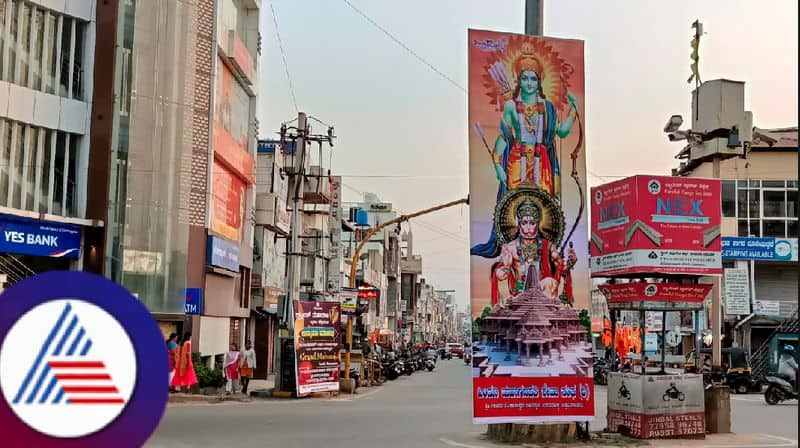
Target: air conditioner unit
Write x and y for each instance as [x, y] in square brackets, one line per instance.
[265, 209]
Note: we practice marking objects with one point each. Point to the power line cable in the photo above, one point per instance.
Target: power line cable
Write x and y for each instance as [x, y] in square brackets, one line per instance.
[283, 55]
[405, 47]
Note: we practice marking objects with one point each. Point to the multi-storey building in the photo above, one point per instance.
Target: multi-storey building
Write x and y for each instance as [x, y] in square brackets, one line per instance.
[173, 135]
[47, 59]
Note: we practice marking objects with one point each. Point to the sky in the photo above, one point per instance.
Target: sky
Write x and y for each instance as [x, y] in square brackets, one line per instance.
[402, 127]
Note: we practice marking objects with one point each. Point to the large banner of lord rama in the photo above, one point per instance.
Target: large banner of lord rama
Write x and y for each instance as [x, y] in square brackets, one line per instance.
[529, 268]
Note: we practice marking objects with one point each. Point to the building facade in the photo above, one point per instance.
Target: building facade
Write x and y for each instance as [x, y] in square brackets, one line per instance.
[47, 55]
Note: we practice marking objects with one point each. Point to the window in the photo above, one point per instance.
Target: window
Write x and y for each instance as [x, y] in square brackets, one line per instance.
[244, 289]
[764, 208]
[729, 199]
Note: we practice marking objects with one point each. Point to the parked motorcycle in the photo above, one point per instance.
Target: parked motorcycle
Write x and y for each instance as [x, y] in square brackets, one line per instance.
[467, 357]
[600, 369]
[778, 389]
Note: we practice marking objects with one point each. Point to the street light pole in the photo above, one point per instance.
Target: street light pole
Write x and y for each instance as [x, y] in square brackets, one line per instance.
[354, 264]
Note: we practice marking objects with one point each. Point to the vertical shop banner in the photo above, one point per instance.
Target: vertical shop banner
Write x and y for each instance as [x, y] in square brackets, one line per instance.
[228, 199]
[528, 224]
[335, 231]
[317, 343]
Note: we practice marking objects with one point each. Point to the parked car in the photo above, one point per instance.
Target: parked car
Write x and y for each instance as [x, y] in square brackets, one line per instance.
[456, 349]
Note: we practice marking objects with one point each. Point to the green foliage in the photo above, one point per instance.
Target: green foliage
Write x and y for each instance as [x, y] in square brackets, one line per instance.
[586, 319]
[207, 377]
[476, 323]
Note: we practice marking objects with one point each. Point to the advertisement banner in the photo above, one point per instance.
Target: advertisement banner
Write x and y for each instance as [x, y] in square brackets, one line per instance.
[317, 343]
[348, 297]
[759, 249]
[656, 405]
[529, 264]
[222, 253]
[228, 196]
[665, 225]
[654, 292]
[770, 308]
[40, 238]
[737, 291]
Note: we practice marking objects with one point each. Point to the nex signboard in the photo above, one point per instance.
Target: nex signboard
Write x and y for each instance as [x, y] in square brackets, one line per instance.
[666, 225]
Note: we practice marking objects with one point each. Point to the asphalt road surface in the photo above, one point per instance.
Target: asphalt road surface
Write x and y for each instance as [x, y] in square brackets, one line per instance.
[428, 409]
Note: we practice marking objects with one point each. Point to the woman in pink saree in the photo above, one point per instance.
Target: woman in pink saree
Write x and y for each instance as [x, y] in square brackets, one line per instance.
[231, 368]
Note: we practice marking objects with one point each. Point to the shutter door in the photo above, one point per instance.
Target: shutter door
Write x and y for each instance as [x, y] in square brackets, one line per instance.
[778, 282]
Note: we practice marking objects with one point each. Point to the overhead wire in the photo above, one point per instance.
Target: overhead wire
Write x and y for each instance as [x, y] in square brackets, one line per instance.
[283, 56]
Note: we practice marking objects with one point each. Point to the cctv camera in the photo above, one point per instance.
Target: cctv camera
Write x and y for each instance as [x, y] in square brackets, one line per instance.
[673, 124]
[677, 136]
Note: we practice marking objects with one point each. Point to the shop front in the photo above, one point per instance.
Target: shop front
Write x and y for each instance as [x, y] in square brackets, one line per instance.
[31, 246]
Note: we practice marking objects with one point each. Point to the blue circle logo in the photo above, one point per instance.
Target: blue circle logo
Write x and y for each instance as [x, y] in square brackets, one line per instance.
[82, 363]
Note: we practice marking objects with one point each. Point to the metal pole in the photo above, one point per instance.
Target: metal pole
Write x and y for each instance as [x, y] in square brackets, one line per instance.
[534, 17]
[354, 265]
[642, 328]
[716, 304]
[663, 340]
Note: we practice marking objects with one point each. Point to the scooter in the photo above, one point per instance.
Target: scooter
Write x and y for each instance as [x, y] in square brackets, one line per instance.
[467, 358]
[778, 389]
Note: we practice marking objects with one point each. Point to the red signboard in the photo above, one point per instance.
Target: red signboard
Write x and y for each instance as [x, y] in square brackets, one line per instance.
[369, 294]
[654, 292]
[228, 199]
[521, 399]
[658, 224]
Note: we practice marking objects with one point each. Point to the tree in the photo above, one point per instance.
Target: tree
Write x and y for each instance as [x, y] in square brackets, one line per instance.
[586, 319]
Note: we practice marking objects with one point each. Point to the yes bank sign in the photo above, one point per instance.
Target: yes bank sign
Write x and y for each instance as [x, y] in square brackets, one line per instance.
[40, 238]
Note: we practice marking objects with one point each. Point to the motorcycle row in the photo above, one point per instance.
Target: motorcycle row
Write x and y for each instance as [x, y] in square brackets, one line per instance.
[390, 365]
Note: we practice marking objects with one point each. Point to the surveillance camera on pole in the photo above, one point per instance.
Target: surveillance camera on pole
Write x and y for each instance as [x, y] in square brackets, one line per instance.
[673, 124]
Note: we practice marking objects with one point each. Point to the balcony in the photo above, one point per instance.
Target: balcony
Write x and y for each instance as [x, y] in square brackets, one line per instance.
[411, 265]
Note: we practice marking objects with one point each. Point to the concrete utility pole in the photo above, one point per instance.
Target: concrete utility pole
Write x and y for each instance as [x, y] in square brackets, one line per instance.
[286, 312]
[534, 17]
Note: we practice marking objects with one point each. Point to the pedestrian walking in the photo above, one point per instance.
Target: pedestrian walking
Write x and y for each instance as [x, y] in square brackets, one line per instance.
[172, 356]
[185, 376]
[248, 360]
[231, 369]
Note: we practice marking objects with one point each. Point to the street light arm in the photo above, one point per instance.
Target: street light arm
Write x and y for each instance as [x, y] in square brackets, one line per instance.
[399, 219]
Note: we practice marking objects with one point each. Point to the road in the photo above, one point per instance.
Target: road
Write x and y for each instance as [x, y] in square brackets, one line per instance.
[428, 409]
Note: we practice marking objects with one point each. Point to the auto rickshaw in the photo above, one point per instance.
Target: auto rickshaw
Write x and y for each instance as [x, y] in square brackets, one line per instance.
[735, 367]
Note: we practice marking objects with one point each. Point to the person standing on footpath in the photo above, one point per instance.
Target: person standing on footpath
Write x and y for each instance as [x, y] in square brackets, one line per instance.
[185, 376]
[231, 369]
[172, 356]
[248, 360]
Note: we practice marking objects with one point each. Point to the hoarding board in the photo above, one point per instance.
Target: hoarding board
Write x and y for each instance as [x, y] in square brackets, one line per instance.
[658, 224]
[527, 222]
[317, 345]
[737, 291]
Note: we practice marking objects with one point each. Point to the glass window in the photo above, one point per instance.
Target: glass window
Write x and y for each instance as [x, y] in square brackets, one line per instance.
[66, 34]
[776, 228]
[38, 29]
[52, 54]
[4, 5]
[773, 183]
[30, 168]
[729, 198]
[774, 203]
[749, 228]
[44, 187]
[791, 228]
[749, 203]
[12, 42]
[24, 40]
[19, 144]
[5, 157]
[791, 203]
[72, 175]
[58, 184]
[754, 183]
[791, 183]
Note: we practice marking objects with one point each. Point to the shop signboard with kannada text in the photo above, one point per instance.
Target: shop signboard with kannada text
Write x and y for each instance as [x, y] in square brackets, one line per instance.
[348, 297]
[317, 344]
[658, 224]
[526, 174]
[759, 249]
[222, 253]
[655, 296]
[39, 238]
